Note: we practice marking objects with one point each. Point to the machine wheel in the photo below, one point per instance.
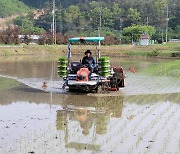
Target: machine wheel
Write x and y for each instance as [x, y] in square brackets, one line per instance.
[104, 88]
[71, 89]
[121, 83]
[98, 89]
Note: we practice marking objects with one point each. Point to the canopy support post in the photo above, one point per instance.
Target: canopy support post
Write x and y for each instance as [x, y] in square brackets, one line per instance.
[96, 54]
[69, 53]
[99, 52]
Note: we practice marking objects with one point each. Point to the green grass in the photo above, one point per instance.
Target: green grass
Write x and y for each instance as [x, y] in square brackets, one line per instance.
[159, 50]
[147, 99]
[10, 7]
[170, 68]
[7, 84]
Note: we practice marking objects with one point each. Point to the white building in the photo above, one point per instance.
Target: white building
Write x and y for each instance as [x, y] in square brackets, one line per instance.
[144, 40]
[33, 38]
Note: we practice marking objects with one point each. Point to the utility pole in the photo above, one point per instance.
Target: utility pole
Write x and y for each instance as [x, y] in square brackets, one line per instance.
[167, 22]
[147, 21]
[61, 27]
[100, 21]
[54, 24]
[55, 32]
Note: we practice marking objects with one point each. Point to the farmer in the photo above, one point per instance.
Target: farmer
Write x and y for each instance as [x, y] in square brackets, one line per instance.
[89, 61]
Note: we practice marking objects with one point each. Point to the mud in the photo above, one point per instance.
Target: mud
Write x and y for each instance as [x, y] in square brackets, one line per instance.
[143, 117]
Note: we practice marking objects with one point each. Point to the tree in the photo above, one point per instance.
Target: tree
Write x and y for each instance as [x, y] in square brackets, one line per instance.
[134, 32]
[107, 15]
[94, 14]
[72, 15]
[82, 17]
[133, 17]
[44, 21]
[27, 26]
[117, 16]
[174, 12]
[177, 32]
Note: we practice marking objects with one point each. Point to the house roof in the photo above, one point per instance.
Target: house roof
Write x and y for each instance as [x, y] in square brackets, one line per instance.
[144, 37]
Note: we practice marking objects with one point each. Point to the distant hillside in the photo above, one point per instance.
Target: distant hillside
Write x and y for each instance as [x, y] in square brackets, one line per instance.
[64, 3]
[36, 3]
[11, 7]
[82, 17]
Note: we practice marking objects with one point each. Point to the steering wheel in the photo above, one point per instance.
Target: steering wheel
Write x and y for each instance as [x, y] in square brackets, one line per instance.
[85, 66]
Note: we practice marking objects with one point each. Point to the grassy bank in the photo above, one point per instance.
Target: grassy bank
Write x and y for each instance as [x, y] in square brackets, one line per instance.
[170, 68]
[7, 84]
[9, 50]
[168, 50]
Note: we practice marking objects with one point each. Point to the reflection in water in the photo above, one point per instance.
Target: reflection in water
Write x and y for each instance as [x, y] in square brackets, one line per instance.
[89, 118]
[85, 124]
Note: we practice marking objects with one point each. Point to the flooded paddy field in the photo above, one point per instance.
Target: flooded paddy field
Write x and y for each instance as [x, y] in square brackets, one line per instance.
[143, 117]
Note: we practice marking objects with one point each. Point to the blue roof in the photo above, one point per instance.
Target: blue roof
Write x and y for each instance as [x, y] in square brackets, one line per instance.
[86, 39]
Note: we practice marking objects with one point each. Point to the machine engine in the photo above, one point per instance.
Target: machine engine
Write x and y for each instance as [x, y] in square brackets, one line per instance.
[83, 74]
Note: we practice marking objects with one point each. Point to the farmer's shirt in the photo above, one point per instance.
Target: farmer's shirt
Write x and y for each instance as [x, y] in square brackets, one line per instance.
[89, 61]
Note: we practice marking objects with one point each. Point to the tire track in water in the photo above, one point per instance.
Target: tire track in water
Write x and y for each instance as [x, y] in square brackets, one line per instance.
[128, 145]
[125, 139]
[158, 125]
[37, 83]
[121, 133]
[135, 85]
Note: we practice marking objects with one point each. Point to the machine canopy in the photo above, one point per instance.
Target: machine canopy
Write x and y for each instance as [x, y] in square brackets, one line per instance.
[85, 39]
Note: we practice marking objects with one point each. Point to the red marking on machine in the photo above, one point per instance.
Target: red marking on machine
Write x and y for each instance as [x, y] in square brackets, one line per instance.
[83, 74]
[113, 89]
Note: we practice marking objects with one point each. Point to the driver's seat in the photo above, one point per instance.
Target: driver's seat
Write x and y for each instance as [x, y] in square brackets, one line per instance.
[75, 66]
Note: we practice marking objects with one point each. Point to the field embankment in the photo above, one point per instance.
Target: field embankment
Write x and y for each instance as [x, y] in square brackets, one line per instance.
[169, 50]
[170, 69]
[7, 84]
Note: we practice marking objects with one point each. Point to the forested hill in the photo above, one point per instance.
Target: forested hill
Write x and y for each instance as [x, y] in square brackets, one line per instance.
[11, 7]
[151, 12]
[82, 17]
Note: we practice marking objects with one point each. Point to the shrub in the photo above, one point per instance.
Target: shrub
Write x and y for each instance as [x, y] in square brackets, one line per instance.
[10, 36]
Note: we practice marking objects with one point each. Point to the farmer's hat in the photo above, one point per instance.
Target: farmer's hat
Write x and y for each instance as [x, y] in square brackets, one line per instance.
[88, 51]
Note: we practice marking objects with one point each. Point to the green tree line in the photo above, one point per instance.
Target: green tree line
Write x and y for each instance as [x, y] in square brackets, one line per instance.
[106, 17]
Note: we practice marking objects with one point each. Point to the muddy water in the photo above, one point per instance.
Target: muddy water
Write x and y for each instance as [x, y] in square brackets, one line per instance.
[143, 117]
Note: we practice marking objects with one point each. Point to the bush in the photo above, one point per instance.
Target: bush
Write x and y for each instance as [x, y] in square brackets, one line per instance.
[27, 39]
[49, 39]
[10, 36]
[61, 39]
[109, 40]
[42, 40]
[46, 38]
